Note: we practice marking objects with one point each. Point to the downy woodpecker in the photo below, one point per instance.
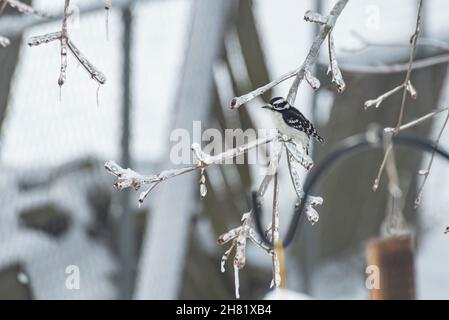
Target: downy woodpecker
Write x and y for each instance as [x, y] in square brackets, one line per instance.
[291, 122]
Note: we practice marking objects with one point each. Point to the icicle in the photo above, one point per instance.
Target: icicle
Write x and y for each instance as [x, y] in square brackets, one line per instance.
[98, 99]
[236, 282]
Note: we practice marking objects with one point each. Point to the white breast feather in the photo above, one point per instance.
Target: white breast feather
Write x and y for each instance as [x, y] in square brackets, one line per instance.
[298, 136]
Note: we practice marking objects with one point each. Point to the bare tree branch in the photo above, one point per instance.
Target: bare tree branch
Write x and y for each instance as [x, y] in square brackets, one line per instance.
[67, 44]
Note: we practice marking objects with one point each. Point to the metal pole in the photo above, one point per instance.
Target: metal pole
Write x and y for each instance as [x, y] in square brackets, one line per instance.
[126, 230]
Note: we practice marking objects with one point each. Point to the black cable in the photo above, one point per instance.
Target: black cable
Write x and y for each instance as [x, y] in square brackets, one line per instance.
[348, 146]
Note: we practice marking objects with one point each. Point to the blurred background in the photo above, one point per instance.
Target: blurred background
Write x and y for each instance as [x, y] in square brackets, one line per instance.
[168, 63]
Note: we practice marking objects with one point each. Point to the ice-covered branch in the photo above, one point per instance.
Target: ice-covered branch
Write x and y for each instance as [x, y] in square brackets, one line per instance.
[127, 178]
[107, 8]
[67, 44]
[376, 102]
[312, 56]
[328, 23]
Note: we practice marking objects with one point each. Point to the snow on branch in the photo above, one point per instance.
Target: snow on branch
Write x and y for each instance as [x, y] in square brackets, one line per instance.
[67, 44]
[327, 23]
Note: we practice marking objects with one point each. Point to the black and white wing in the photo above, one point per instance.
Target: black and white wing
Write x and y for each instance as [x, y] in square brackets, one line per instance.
[295, 119]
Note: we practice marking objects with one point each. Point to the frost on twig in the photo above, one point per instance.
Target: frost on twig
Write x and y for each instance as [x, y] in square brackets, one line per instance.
[337, 78]
[4, 42]
[22, 8]
[67, 44]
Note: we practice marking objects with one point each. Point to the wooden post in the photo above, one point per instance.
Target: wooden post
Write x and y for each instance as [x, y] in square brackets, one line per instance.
[394, 257]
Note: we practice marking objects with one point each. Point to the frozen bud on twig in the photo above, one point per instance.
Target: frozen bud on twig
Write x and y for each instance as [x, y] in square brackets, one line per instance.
[309, 209]
[315, 17]
[411, 89]
[46, 38]
[90, 68]
[203, 188]
[311, 80]
[4, 42]
[337, 78]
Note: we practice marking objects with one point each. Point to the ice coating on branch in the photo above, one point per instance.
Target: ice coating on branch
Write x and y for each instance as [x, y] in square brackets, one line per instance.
[46, 38]
[309, 209]
[26, 9]
[90, 68]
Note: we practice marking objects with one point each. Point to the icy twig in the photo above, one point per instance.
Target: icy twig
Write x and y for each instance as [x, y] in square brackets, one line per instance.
[107, 8]
[376, 102]
[4, 42]
[418, 121]
[67, 44]
[22, 8]
[46, 38]
[298, 153]
[96, 74]
[314, 49]
[315, 17]
[429, 166]
[310, 60]
[337, 78]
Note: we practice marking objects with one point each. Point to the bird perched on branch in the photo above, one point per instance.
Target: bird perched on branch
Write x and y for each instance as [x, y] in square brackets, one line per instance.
[292, 123]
